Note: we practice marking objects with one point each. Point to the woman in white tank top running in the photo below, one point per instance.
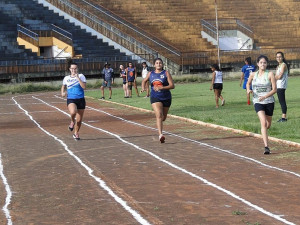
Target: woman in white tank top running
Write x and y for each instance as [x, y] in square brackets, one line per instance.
[264, 87]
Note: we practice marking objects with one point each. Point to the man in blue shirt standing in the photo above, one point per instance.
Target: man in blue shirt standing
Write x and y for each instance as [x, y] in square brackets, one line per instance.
[108, 79]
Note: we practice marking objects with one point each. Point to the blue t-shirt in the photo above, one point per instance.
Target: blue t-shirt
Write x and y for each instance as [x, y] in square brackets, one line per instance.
[75, 91]
[159, 79]
[247, 69]
[108, 74]
[130, 74]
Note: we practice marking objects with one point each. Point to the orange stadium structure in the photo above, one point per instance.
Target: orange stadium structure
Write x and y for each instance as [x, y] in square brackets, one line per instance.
[39, 35]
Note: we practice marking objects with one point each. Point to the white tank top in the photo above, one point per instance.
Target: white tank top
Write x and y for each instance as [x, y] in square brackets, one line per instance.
[218, 77]
[282, 83]
[262, 86]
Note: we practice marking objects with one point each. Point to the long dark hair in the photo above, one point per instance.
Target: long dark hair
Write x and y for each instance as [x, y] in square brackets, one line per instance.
[248, 60]
[216, 67]
[262, 57]
[284, 60]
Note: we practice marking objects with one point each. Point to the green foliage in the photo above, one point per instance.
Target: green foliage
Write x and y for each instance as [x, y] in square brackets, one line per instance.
[238, 213]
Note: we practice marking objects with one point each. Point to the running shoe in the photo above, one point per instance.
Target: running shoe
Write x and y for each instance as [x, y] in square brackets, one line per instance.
[71, 126]
[282, 120]
[76, 137]
[267, 151]
[102, 98]
[248, 102]
[223, 102]
[162, 138]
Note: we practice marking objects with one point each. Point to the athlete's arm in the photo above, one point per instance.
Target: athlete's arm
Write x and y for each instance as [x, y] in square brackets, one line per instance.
[213, 80]
[126, 71]
[144, 81]
[242, 78]
[82, 84]
[248, 85]
[282, 70]
[62, 91]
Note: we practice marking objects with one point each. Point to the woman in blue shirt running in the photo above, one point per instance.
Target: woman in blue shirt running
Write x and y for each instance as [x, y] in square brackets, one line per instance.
[75, 85]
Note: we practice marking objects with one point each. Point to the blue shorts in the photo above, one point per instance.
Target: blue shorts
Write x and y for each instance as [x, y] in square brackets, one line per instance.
[268, 108]
[108, 84]
[166, 103]
[245, 87]
[80, 103]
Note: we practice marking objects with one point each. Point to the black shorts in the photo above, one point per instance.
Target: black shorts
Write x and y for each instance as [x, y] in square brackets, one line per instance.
[166, 103]
[268, 108]
[218, 86]
[80, 103]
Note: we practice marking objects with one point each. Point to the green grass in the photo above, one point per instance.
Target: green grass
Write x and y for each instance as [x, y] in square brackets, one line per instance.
[196, 101]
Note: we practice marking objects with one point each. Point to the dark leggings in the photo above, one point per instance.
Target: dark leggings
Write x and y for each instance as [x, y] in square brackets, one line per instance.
[281, 98]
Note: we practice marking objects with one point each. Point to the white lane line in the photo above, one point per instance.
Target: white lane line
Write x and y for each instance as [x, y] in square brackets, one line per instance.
[258, 208]
[201, 143]
[102, 184]
[8, 194]
[16, 113]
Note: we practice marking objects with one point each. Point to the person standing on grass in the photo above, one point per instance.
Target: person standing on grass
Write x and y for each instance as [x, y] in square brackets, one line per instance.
[75, 85]
[125, 85]
[145, 71]
[131, 74]
[264, 87]
[161, 82]
[108, 79]
[281, 77]
[246, 70]
[217, 84]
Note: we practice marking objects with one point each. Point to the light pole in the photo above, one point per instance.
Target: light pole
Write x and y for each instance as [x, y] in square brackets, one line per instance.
[217, 26]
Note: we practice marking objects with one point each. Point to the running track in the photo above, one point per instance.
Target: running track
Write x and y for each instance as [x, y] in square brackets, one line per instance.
[120, 174]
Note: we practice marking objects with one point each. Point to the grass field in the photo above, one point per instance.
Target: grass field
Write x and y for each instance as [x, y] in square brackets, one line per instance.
[196, 101]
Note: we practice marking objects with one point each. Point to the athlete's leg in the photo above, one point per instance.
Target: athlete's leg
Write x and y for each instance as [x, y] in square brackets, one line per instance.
[72, 110]
[79, 116]
[110, 92]
[102, 91]
[130, 89]
[165, 112]
[216, 91]
[159, 114]
[136, 89]
[265, 123]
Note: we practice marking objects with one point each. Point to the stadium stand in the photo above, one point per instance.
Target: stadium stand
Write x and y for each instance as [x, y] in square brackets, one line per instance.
[36, 18]
[170, 29]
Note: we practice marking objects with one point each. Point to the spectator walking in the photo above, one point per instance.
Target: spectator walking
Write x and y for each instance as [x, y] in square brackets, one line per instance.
[217, 84]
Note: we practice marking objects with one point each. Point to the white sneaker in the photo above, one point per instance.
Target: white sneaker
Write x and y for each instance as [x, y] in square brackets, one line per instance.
[223, 102]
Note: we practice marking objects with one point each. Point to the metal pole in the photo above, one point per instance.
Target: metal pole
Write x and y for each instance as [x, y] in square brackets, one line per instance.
[217, 26]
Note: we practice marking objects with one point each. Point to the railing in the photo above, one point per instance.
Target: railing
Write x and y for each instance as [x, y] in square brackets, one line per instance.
[209, 26]
[115, 34]
[57, 65]
[28, 35]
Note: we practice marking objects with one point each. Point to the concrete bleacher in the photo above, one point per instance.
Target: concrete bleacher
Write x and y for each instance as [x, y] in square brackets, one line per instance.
[36, 17]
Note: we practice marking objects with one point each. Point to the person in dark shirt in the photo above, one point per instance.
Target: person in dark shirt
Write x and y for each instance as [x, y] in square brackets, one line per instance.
[108, 79]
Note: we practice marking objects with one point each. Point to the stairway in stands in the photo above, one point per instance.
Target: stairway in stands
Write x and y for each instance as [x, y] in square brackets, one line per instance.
[34, 16]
